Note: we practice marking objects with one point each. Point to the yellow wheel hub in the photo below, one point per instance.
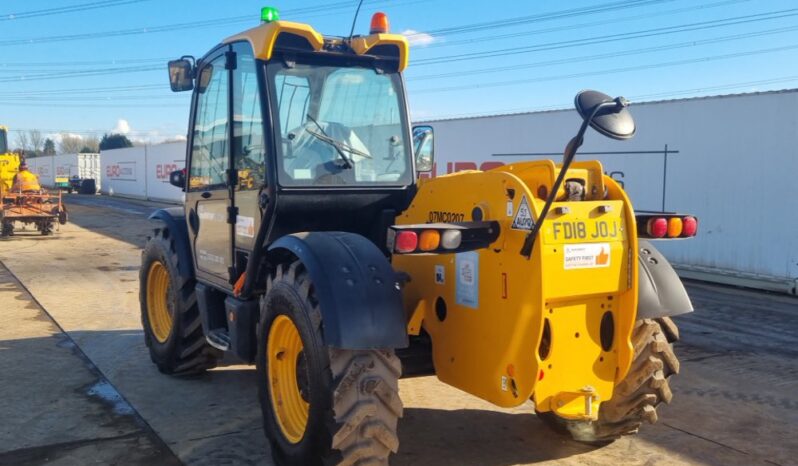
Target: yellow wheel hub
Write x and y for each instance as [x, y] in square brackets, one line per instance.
[283, 353]
[157, 302]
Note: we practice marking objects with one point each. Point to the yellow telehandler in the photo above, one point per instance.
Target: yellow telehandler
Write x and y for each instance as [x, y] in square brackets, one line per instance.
[308, 246]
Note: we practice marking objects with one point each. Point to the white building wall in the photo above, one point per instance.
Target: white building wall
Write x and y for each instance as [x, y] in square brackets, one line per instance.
[142, 172]
[731, 161]
[43, 168]
[124, 172]
[161, 161]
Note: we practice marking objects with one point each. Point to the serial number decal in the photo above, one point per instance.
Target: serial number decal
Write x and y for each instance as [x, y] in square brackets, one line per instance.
[580, 230]
[445, 217]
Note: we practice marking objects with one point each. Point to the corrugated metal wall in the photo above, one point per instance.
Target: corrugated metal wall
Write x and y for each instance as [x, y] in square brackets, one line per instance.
[731, 160]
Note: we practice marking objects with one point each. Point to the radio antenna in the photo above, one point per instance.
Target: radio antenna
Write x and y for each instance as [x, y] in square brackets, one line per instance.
[357, 12]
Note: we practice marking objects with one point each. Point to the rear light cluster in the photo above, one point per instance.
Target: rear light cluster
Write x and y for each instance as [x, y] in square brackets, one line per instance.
[427, 241]
[441, 237]
[667, 226]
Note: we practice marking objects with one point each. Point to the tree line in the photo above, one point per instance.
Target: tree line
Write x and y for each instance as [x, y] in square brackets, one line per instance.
[32, 143]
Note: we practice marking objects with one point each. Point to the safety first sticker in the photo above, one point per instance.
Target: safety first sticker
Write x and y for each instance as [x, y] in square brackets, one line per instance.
[586, 256]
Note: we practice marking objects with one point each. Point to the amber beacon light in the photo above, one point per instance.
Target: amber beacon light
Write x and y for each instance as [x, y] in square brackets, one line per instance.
[379, 23]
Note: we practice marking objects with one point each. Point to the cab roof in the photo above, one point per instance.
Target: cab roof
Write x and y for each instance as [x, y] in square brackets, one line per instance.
[299, 36]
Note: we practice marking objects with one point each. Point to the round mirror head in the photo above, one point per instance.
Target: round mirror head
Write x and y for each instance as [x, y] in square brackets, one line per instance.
[613, 122]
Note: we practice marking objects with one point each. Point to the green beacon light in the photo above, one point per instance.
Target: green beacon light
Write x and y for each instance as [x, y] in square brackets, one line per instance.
[269, 14]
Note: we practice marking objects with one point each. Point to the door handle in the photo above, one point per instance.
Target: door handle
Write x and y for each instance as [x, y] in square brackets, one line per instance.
[193, 221]
[206, 195]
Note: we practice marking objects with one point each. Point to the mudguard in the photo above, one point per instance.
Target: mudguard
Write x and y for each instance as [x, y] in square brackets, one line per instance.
[357, 289]
[174, 219]
[661, 292]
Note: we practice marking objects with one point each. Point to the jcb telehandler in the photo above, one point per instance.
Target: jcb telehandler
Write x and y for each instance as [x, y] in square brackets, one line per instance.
[307, 246]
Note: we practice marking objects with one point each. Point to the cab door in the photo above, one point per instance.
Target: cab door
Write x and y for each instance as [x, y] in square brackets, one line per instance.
[208, 197]
[249, 151]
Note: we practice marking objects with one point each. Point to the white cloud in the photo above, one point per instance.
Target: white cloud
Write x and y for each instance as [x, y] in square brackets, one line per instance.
[122, 127]
[418, 39]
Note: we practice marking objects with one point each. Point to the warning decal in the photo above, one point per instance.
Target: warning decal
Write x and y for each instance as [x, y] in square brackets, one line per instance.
[523, 217]
[586, 256]
[467, 283]
[245, 226]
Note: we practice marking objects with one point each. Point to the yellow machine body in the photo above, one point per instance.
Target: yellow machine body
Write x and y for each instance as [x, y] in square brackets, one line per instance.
[9, 162]
[486, 310]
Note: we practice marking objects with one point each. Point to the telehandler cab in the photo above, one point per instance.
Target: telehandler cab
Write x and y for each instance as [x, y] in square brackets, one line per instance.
[308, 246]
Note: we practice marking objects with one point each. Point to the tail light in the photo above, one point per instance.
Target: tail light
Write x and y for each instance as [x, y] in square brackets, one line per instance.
[689, 226]
[441, 238]
[406, 241]
[429, 240]
[674, 227]
[666, 225]
[657, 227]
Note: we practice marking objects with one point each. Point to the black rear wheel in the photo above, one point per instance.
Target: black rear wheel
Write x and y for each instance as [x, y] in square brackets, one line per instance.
[636, 398]
[169, 312]
[321, 405]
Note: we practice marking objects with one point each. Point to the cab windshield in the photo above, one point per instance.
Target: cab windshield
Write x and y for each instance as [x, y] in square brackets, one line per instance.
[339, 126]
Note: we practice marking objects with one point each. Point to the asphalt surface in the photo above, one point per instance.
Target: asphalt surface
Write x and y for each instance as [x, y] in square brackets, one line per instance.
[78, 386]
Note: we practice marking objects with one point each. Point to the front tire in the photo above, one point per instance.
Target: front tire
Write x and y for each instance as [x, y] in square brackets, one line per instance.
[321, 405]
[169, 312]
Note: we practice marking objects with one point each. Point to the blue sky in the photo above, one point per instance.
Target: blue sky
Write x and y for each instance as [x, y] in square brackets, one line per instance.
[468, 57]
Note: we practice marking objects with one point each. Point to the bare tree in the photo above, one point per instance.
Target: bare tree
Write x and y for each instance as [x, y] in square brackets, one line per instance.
[91, 144]
[22, 141]
[70, 144]
[36, 141]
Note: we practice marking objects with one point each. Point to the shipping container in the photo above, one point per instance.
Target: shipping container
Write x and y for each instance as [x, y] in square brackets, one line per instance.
[53, 169]
[731, 160]
[142, 172]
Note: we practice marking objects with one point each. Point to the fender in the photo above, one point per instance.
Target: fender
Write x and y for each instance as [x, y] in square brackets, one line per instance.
[174, 219]
[660, 291]
[357, 289]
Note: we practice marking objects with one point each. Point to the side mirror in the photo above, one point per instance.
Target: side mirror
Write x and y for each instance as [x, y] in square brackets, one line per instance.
[177, 178]
[181, 75]
[424, 148]
[614, 121]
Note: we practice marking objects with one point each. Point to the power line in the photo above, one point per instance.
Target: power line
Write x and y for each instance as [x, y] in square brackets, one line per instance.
[87, 90]
[49, 105]
[540, 17]
[613, 37]
[603, 22]
[610, 71]
[83, 73]
[593, 57]
[188, 25]
[109, 98]
[66, 9]
[478, 55]
[111, 61]
[80, 131]
[635, 99]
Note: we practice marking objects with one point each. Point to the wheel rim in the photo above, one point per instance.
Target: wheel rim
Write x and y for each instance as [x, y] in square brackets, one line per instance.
[157, 301]
[284, 355]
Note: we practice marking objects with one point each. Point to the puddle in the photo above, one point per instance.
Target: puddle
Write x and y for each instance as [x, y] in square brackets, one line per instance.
[108, 394]
[119, 268]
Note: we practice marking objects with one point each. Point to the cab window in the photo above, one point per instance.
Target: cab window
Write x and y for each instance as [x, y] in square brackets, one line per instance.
[209, 152]
[340, 126]
[249, 149]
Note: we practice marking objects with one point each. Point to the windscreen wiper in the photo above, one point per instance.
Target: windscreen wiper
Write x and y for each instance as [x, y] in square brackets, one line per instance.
[338, 145]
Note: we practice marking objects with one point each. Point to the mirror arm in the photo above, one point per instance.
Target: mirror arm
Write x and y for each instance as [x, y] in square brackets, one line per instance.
[568, 156]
